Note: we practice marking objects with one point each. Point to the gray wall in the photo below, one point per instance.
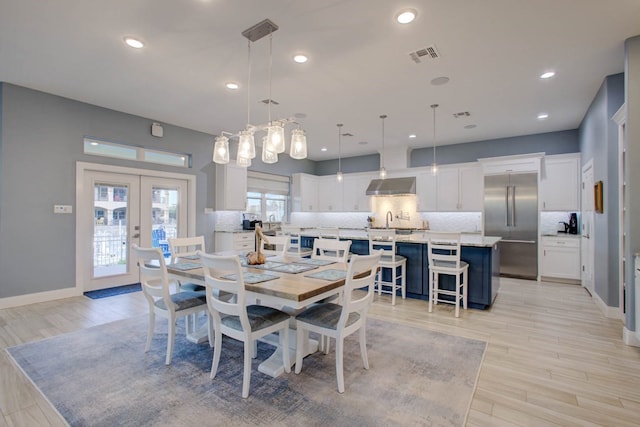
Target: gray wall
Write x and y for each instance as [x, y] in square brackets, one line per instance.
[599, 142]
[41, 140]
[355, 164]
[632, 144]
[549, 143]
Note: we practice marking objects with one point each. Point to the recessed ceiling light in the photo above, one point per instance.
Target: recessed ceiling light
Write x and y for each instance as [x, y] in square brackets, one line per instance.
[543, 116]
[134, 43]
[406, 16]
[547, 75]
[232, 85]
[323, 149]
[413, 135]
[300, 58]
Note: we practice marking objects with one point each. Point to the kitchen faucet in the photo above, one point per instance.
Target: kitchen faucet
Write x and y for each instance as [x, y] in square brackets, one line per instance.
[389, 216]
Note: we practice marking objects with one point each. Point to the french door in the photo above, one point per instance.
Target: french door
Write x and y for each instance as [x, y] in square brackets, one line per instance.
[118, 209]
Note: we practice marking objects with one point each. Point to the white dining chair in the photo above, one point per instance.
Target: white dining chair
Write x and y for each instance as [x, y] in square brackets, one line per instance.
[331, 250]
[295, 241]
[276, 245]
[155, 288]
[237, 320]
[182, 250]
[339, 321]
[444, 258]
[385, 239]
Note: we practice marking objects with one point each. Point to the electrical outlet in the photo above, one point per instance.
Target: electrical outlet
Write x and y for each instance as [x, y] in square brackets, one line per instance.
[62, 209]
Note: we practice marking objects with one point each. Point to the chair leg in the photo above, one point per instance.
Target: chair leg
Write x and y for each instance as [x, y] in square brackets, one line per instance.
[436, 276]
[217, 350]
[457, 295]
[363, 346]
[246, 376]
[152, 324]
[339, 363]
[465, 287]
[210, 329]
[394, 285]
[403, 280]
[171, 338]
[430, 285]
[283, 337]
[300, 335]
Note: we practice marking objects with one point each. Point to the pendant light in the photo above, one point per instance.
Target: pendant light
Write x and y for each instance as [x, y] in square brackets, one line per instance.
[434, 165]
[298, 144]
[275, 132]
[221, 150]
[246, 141]
[383, 171]
[339, 174]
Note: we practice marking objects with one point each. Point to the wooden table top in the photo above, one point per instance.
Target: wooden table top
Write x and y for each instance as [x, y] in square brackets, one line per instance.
[293, 287]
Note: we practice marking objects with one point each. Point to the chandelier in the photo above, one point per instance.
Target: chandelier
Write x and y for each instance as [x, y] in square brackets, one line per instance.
[273, 143]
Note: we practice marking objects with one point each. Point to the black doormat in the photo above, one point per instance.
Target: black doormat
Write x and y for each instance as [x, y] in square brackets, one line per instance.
[109, 292]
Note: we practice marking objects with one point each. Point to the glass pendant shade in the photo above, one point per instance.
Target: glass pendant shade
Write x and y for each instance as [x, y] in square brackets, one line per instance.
[268, 156]
[246, 145]
[339, 176]
[245, 162]
[383, 173]
[298, 145]
[221, 150]
[434, 169]
[275, 138]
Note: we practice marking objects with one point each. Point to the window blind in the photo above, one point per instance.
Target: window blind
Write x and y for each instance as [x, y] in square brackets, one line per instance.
[259, 182]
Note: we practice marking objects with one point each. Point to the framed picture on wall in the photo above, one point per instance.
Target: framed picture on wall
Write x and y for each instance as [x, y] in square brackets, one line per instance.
[599, 206]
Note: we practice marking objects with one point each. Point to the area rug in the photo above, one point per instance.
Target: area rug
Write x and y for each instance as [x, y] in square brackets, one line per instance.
[101, 377]
[109, 292]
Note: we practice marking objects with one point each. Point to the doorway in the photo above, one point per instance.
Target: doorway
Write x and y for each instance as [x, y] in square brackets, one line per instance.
[118, 207]
[587, 236]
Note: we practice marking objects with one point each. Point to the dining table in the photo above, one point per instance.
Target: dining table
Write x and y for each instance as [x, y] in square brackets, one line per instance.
[285, 282]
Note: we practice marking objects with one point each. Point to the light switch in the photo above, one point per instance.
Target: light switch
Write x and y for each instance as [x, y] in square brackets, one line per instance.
[62, 209]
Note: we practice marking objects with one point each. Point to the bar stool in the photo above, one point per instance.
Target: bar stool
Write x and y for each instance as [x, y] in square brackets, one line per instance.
[386, 240]
[444, 258]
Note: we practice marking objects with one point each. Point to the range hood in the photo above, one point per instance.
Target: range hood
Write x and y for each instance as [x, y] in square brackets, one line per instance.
[392, 187]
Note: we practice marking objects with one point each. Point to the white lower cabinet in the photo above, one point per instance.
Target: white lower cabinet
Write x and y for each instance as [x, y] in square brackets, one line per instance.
[561, 257]
[235, 241]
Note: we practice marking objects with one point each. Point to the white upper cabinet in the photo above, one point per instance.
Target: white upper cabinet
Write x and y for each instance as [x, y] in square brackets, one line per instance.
[560, 183]
[354, 188]
[231, 188]
[426, 192]
[329, 194]
[460, 188]
[305, 193]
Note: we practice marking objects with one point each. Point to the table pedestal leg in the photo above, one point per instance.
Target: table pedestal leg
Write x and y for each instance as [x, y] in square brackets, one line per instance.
[273, 366]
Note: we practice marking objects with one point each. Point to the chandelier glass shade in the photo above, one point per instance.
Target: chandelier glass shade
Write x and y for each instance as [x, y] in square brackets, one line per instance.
[221, 150]
[246, 144]
[275, 137]
[267, 155]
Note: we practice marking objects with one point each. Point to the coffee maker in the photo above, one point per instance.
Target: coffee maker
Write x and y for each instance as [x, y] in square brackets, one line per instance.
[573, 223]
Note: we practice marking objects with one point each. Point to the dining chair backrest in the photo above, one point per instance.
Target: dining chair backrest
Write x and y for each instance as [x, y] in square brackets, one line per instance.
[153, 274]
[443, 249]
[223, 274]
[331, 250]
[357, 303]
[275, 245]
[185, 246]
[328, 233]
[295, 240]
[384, 239]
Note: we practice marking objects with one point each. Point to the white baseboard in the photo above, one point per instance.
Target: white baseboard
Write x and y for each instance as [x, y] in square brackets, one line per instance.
[631, 337]
[39, 297]
[608, 311]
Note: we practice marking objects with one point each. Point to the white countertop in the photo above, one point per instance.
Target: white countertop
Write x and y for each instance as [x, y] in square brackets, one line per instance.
[470, 239]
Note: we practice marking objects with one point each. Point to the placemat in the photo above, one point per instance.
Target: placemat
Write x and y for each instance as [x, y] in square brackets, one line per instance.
[185, 266]
[312, 261]
[292, 268]
[252, 277]
[194, 256]
[330, 274]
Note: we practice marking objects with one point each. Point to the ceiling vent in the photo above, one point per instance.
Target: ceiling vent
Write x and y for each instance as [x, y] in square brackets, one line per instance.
[429, 52]
[462, 114]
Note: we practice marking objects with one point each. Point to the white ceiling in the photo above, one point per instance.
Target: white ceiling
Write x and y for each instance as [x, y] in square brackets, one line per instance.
[359, 68]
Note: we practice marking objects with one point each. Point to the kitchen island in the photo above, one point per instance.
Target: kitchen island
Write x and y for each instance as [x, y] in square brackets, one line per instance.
[480, 252]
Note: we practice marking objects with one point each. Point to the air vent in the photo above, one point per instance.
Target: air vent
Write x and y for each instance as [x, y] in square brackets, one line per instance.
[267, 101]
[260, 30]
[429, 52]
[462, 114]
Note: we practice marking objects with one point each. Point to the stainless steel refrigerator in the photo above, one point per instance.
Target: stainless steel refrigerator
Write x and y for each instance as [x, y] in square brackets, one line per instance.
[511, 212]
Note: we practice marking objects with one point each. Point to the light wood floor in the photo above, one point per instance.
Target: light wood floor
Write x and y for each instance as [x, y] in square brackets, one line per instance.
[552, 358]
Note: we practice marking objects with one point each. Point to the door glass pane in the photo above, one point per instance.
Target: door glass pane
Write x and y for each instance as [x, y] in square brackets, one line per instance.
[164, 217]
[110, 207]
